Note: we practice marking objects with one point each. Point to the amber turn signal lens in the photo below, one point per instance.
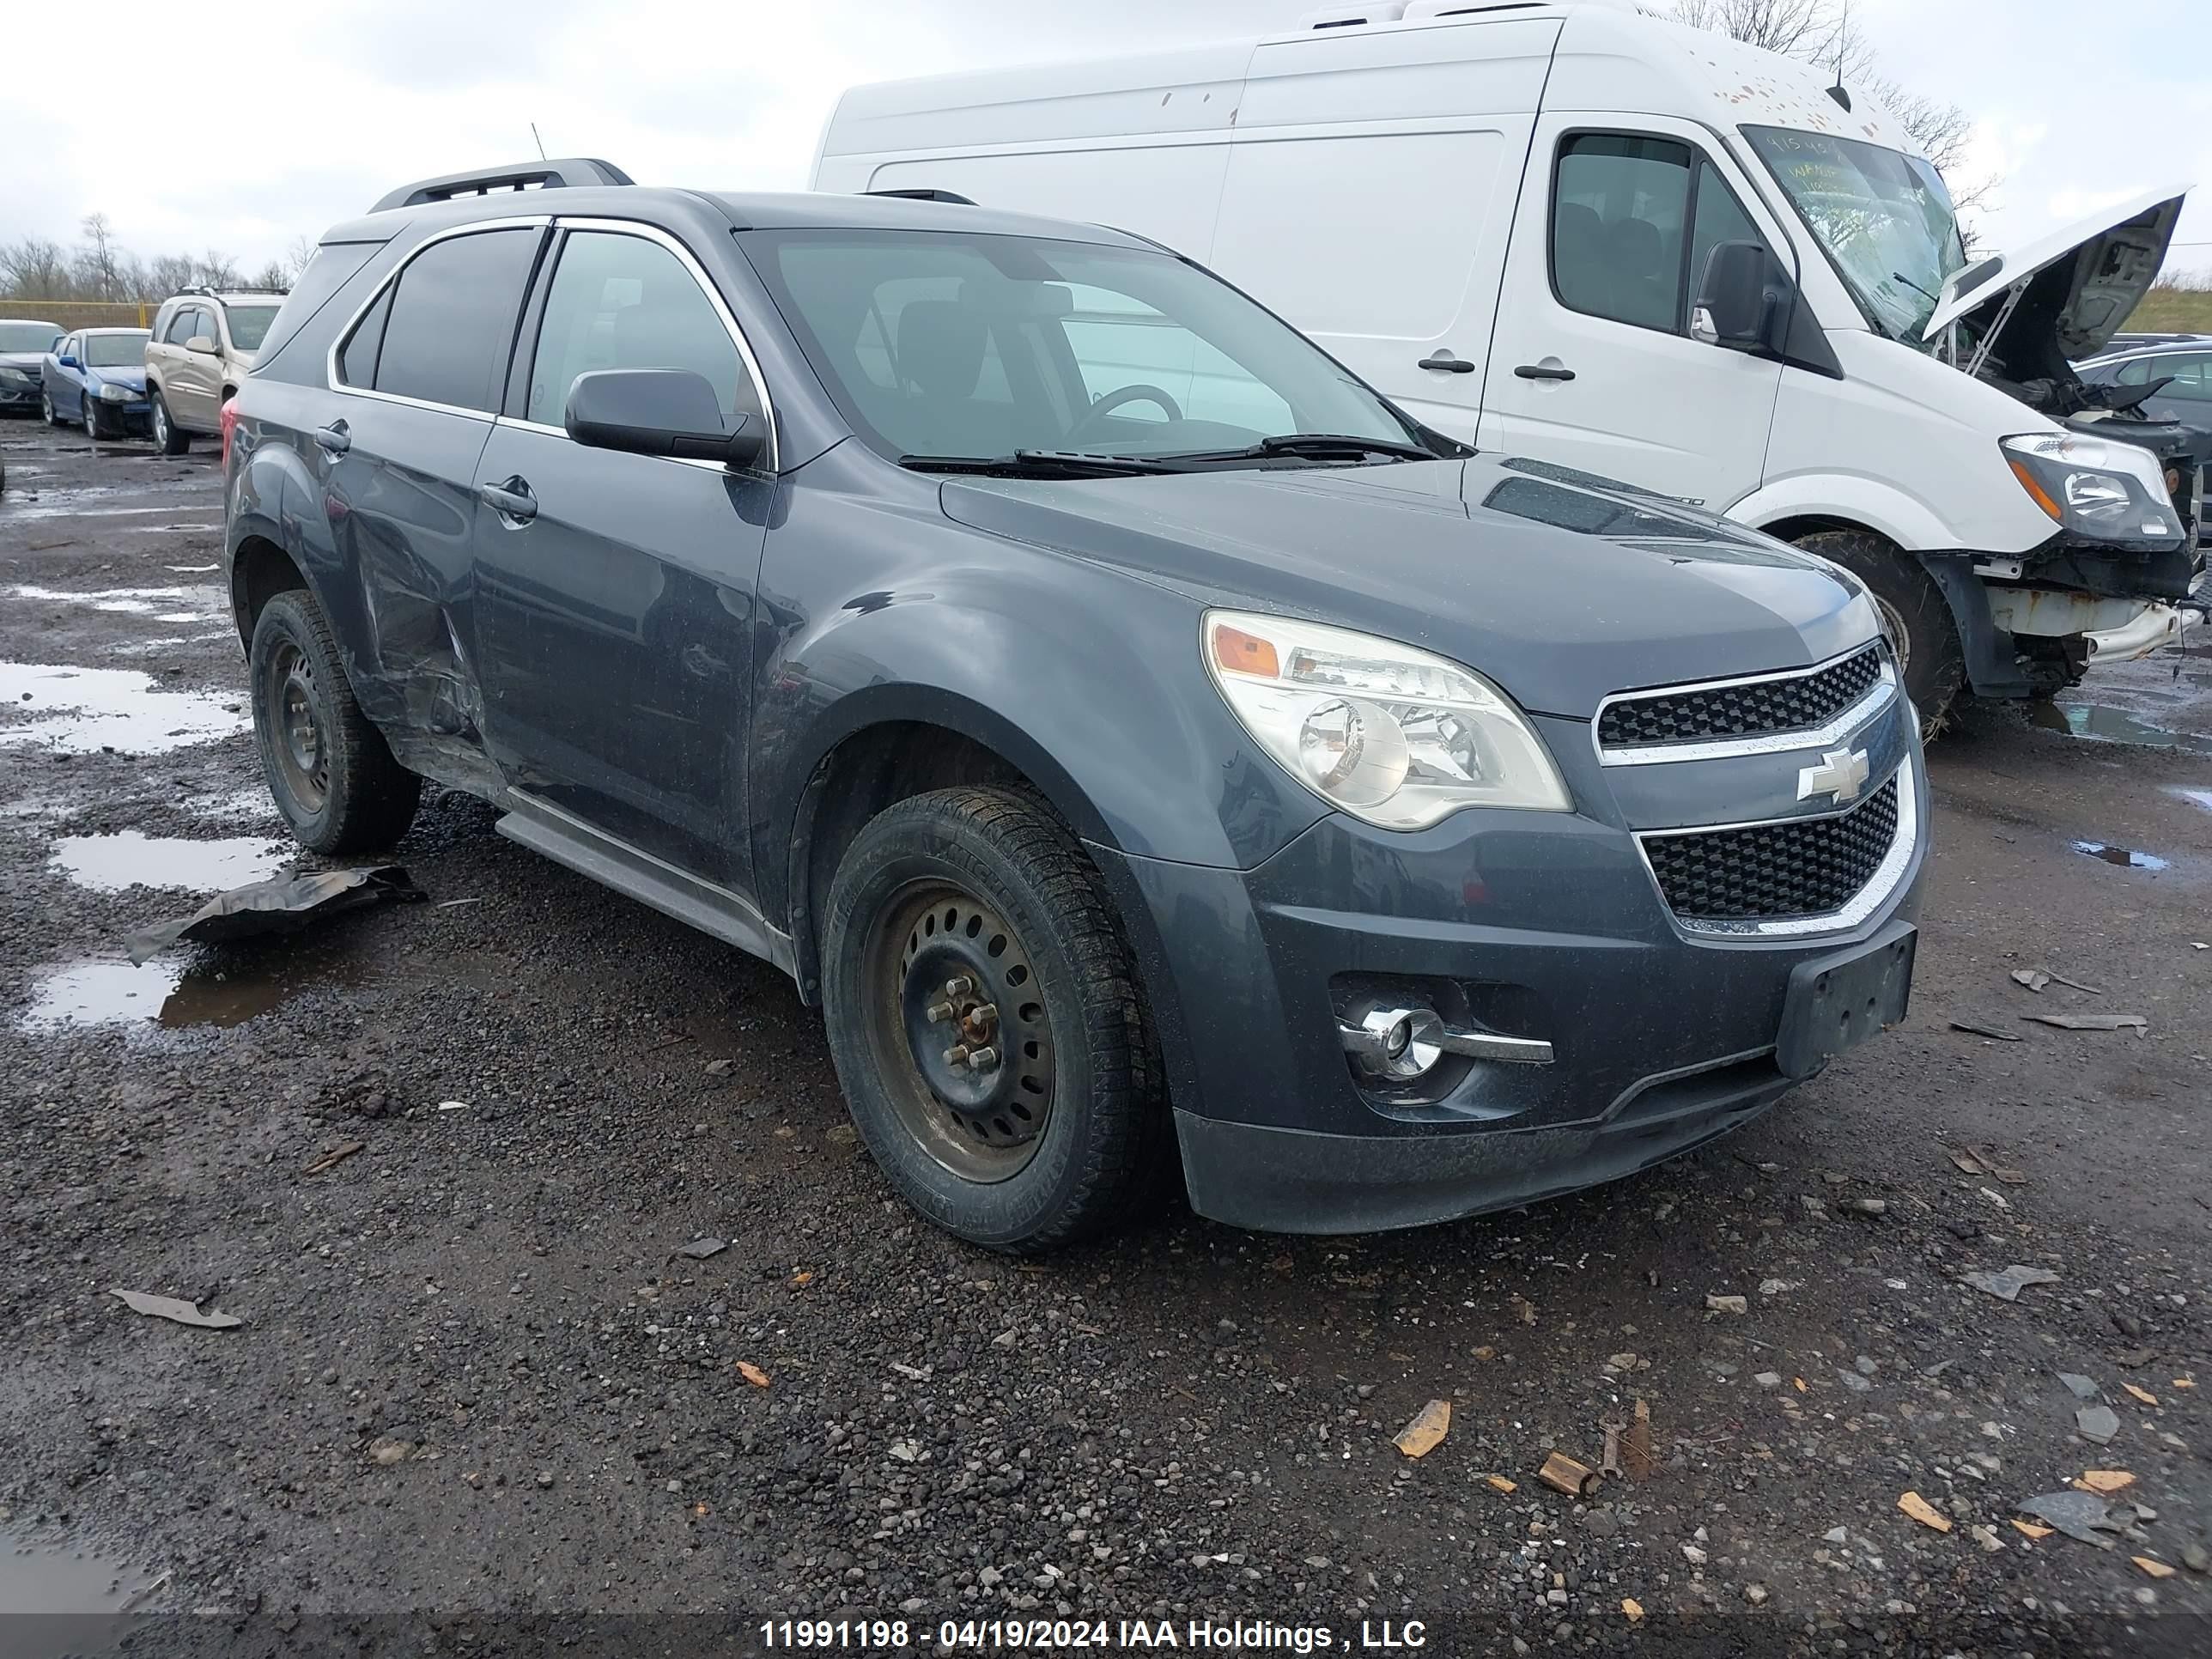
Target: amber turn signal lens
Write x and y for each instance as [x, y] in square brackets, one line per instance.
[2042, 497]
[1235, 651]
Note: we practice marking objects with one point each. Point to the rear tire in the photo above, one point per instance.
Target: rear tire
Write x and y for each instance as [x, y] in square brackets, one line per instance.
[330, 771]
[168, 438]
[1915, 617]
[1057, 1137]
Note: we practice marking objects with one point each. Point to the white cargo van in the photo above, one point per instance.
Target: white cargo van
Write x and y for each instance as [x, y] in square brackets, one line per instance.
[1574, 233]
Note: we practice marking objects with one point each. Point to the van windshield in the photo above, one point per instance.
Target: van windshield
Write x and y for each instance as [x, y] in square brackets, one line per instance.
[941, 343]
[1884, 217]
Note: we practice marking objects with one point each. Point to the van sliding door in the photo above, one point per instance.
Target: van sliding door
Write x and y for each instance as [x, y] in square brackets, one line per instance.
[1371, 192]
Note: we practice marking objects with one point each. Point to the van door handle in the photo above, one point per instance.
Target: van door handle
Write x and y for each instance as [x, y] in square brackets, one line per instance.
[1543, 371]
[1444, 362]
[334, 437]
[511, 499]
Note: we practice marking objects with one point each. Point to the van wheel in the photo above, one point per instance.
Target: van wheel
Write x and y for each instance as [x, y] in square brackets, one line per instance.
[329, 770]
[1915, 618]
[984, 1020]
[169, 438]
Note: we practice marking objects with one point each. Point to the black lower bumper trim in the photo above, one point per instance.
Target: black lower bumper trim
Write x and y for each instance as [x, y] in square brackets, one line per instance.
[1294, 1180]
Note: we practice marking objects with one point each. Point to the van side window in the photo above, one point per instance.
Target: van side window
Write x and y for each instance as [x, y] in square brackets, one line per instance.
[1620, 205]
[453, 319]
[620, 301]
[1716, 217]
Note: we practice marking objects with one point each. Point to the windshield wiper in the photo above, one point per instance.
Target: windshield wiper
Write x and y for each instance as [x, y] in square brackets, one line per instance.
[1043, 464]
[1316, 447]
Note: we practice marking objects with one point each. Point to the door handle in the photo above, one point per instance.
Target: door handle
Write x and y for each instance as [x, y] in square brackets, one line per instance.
[334, 437]
[1543, 371]
[1443, 362]
[511, 499]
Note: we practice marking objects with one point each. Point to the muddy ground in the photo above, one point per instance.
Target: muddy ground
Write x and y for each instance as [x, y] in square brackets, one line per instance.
[474, 1384]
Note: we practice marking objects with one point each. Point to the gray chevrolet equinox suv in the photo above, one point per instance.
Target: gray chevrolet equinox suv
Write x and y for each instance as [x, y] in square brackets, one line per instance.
[1129, 728]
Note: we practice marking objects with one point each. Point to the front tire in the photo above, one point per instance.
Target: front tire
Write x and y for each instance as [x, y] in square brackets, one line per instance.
[168, 437]
[983, 1016]
[1915, 618]
[92, 428]
[46, 407]
[330, 771]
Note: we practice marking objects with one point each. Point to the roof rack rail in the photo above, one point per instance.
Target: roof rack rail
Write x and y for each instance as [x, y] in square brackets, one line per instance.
[215, 293]
[571, 173]
[952, 196]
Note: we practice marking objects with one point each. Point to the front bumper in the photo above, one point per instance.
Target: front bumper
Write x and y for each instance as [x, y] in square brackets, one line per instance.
[1547, 926]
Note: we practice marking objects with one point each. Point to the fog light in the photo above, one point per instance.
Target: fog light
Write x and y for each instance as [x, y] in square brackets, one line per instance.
[1401, 1043]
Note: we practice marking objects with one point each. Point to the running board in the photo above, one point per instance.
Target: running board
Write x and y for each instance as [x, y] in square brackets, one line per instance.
[713, 910]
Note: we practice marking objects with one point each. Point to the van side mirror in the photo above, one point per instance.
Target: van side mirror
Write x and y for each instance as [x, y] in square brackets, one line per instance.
[1748, 301]
[1740, 298]
[670, 412]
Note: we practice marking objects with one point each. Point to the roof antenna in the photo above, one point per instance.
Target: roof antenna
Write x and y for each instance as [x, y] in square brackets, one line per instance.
[540, 142]
[1843, 33]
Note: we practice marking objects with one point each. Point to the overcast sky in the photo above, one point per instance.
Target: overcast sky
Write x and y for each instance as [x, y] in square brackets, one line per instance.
[293, 118]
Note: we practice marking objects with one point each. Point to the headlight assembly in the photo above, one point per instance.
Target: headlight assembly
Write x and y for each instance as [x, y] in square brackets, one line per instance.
[2096, 486]
[112, 393]
[13, 376]
[1388, 733]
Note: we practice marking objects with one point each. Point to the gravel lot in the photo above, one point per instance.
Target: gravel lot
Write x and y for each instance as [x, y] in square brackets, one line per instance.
[476, 1384]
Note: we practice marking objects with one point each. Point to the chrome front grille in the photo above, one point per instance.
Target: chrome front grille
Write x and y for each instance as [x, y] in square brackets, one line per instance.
[1744, 715]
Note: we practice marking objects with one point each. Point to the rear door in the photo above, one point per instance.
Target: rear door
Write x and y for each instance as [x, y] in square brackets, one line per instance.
[163, 352]
[1593, 365]
[420, 373]
[614, 611]
[1371, 192]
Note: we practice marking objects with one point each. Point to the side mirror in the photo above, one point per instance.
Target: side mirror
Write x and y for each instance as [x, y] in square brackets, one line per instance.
[201, 343]
[70, 362]
[1740, 298]
[670, 412]
[1748, 301]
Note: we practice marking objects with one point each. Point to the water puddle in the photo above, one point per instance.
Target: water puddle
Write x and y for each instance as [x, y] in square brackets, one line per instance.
[2126, 856]
[2098, 723]
[174, 995]
[2197, 797]
[83, 711]
[47, 507]
[128, 858]
[166, 604]
[56, 1600]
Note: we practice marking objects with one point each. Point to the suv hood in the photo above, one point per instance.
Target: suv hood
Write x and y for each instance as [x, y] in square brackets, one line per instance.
[1561, 587]
[2097, 269]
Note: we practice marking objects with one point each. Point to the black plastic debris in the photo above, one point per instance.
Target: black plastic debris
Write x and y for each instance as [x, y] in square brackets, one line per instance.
[2080, 1515]
[700, 1248]
[282, 904]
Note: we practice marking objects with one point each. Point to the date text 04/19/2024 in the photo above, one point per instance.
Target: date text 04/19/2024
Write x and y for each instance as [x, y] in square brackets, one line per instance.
[1051, 1635]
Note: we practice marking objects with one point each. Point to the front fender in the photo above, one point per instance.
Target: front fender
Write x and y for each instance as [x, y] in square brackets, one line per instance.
[1087, 680]
[1880, 506]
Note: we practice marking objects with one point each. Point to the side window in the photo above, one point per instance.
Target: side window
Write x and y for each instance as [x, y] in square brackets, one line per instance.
[205, 327]
[1716, 217]
[357, 358]
[452, 319]
[620, 301]
[2135, 373]
[2192, 379]
[1618, 208]
[181, 326]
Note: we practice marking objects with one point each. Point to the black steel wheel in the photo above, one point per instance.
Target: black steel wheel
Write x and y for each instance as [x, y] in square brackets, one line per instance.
[985, 1022]
[329, 773]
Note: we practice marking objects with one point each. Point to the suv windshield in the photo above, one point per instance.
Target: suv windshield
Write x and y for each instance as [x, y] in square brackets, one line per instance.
[945, 344]
[1884, 217]
[28, 337]
[249, 326]
[114, 350]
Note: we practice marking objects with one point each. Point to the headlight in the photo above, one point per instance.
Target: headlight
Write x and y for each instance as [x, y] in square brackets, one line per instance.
[1387, 733]
[112, 393]
[2097, 486]
[13, 376]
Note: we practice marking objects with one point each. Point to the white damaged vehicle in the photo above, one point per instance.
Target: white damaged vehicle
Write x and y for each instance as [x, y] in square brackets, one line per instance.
[1572, 232]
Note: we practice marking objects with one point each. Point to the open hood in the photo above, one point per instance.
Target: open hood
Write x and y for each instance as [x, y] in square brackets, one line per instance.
[2095, 271]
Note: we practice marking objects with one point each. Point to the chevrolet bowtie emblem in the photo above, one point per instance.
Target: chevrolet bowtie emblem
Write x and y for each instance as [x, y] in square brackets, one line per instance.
[1841, 775]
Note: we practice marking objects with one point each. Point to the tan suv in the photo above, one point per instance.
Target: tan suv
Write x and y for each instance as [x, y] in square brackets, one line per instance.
[203, 344]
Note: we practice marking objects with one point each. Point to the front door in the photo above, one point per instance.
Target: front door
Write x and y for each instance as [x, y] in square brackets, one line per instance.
[193, 399]
[614, 593]
[1592, 365]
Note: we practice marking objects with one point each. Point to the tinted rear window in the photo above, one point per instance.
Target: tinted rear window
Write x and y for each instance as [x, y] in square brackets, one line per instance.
[334, 265]
[453, 319]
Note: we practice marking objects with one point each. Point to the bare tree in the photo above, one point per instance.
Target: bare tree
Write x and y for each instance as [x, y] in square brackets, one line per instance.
[97, 260]
[170, 272]
[34, 269]
[217, 268]
[297, 253]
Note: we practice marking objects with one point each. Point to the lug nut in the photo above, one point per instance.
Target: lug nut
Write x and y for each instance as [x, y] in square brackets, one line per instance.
[956, 1056]
[984, 1060]
[939, 1012]
[958, 986]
